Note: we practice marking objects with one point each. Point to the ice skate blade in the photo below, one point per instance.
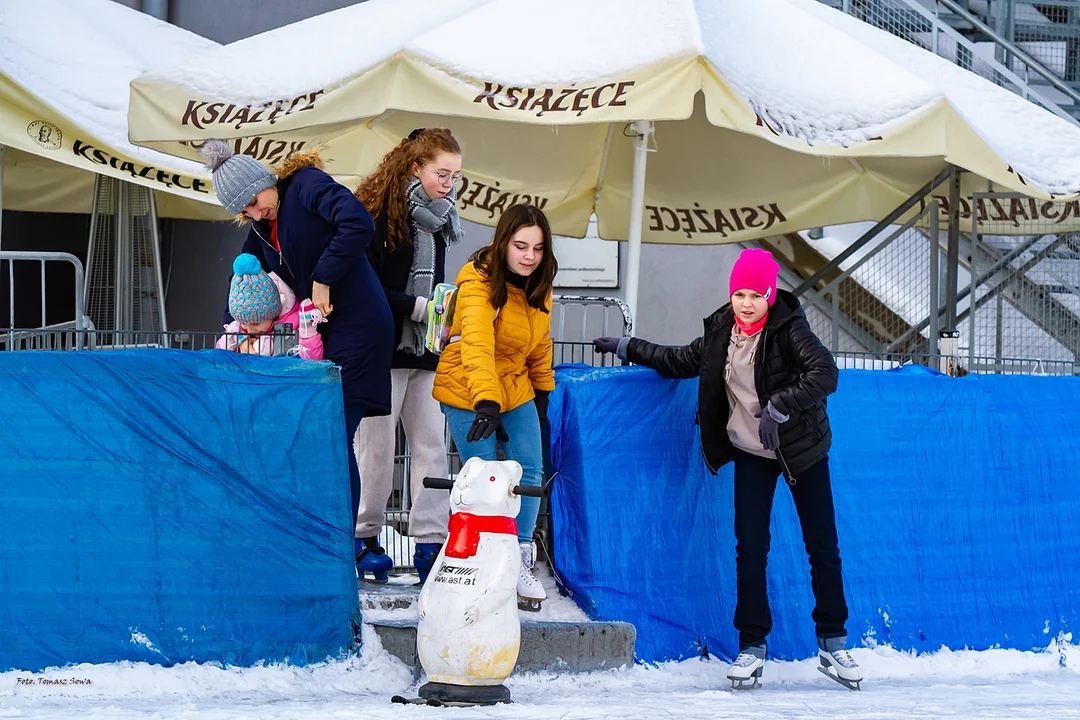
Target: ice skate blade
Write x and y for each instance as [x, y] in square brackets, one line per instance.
[742, 684]
[529, 604]
[856, 685]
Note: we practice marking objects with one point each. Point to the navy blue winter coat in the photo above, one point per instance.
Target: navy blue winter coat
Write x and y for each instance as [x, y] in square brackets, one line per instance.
[324, 233]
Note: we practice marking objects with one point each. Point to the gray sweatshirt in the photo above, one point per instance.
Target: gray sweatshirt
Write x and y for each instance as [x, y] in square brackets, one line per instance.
[742, 427]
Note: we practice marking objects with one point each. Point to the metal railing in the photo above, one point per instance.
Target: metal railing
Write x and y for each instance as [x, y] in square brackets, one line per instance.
[66, 334]
[1026, 291]
[1012, 56]
[1048, 30]
[881, 302]
[874, 304]
[910, 20]
[960, 363]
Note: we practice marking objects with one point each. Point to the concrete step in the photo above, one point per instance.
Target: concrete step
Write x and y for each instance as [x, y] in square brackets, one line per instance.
[577, 647]
[559, 637]
[400, 594]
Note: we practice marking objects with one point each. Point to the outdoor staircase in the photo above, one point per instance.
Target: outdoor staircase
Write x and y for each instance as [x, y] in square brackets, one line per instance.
[1027, 296]
[1026, 300]
[1028, 47]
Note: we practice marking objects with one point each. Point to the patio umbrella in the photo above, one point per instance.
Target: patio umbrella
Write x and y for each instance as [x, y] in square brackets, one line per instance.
[679, 121]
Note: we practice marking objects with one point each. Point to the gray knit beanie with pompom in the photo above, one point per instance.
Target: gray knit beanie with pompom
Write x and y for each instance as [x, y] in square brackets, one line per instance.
[237, 178]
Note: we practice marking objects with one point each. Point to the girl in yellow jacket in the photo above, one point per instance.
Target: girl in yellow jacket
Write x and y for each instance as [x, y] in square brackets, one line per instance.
[499, 361]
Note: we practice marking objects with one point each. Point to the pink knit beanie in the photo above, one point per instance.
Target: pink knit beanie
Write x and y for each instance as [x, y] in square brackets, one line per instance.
[755, 270]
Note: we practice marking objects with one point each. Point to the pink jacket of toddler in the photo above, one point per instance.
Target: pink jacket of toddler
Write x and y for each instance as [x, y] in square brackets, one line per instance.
[310, 347]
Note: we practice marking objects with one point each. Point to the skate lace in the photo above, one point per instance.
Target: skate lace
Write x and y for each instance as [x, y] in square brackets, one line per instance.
[844, 658]
[527, 576]
[746, 660]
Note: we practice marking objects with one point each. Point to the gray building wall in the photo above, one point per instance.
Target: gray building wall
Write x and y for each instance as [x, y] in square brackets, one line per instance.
[679, 285]
[227, 21]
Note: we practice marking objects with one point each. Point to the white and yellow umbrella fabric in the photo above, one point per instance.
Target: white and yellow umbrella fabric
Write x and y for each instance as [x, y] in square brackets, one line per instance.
[65, 66]
[756, 117]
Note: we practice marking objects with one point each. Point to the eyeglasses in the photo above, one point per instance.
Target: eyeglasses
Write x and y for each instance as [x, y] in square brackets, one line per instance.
[445, 178]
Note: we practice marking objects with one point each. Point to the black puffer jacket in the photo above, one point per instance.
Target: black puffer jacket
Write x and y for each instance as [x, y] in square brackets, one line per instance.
[394, 269]
[792, 369]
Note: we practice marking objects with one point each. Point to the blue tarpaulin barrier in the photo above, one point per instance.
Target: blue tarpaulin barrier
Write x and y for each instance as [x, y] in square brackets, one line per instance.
[957, 504]
[166, 506]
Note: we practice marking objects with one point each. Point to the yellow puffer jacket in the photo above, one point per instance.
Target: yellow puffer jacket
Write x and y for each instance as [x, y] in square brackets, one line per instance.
[497, 358]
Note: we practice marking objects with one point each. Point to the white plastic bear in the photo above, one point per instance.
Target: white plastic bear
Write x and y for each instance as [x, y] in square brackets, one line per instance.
[469, 632]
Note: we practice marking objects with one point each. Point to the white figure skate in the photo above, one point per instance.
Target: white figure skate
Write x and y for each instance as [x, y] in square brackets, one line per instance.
[531, 593]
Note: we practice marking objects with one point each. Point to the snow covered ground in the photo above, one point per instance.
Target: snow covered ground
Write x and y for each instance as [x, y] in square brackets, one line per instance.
[989, 684]
[997, 684]
[994, 684]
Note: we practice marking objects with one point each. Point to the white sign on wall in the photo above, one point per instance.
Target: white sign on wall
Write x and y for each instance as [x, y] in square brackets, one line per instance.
[587, 262]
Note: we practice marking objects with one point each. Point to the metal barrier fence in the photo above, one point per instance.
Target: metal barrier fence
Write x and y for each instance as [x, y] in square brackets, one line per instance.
[45, 260]
[66, 337]
[585, 316]
[1026, 288]
[958, 364]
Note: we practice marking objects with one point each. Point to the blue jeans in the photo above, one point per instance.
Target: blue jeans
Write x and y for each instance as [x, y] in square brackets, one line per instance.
[523, 426]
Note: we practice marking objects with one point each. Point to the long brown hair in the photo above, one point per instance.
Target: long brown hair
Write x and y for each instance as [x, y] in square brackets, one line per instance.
[383, 191]
[490, 260]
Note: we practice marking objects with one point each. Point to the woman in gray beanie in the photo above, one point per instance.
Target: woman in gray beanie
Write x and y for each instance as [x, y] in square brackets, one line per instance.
[312, 232]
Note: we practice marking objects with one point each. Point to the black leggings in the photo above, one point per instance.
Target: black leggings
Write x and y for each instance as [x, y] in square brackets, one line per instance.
[755, 485]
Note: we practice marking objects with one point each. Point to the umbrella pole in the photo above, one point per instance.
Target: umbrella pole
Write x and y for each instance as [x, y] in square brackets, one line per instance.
[640, 130]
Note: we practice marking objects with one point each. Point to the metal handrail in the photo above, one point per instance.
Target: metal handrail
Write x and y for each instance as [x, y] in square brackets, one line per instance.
[600, 301]
[1011, 48]
[1026, 91]
[13, 256]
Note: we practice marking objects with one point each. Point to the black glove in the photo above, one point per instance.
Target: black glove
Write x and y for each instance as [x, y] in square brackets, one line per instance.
[606, 344]
[488, 420]
[541, 402]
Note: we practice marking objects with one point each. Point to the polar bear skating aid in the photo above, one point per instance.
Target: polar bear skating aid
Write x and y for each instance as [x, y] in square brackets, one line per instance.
[469, 633]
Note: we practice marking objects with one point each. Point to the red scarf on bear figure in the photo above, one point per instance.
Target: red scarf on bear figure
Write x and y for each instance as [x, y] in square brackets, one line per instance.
[753, 328]
[465, 529]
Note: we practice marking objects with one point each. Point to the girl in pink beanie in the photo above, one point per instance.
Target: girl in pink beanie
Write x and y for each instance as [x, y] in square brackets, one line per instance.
[761, 405]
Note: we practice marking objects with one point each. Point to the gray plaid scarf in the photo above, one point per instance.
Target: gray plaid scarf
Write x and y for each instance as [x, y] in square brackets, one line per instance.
[427, 218]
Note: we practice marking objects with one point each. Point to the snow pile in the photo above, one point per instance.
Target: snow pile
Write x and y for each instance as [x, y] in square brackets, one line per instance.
[350, 41]
[808, 71]
[78, 57]
[576, 42]
[805, 78]
[475, 38]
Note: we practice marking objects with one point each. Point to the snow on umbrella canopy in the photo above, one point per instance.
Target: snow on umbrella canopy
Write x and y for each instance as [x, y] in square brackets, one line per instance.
[770, 115]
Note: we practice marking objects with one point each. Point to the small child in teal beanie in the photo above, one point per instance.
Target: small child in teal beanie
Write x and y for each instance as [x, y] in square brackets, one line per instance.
[257, 301]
